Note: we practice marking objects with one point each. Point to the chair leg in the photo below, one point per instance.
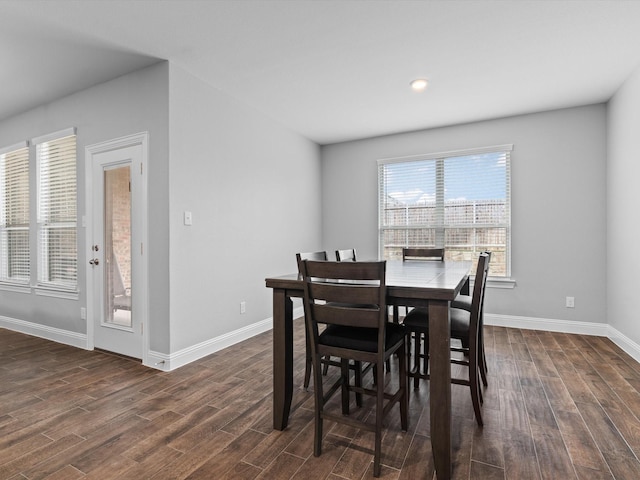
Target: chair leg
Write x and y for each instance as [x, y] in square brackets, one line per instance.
[417, 349]
[344, 373]
[319, 407]
[475, 399]
[379, 416]
[308, 361]
[404, 401]
[483, 360]
[307, 374]
[474, 381]
[407, 359]
[426, 354]
[325, 367]
[483, 368]
[358, 381]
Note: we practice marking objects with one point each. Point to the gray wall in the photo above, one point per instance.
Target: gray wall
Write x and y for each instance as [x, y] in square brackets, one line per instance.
[254, 190]
[558, 204]
[259, 193]
[623, 201]
[129, 104]
[252, 185]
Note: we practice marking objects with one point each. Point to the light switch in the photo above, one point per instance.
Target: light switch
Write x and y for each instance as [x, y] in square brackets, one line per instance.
[188, 220]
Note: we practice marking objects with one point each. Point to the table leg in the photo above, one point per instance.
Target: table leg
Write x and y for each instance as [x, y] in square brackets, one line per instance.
[282, 358]
[440, 386]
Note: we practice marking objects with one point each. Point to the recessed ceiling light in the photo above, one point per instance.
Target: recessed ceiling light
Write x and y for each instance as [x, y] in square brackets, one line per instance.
[419, 84]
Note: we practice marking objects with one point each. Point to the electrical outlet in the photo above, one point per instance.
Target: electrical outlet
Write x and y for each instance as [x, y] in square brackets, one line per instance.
[571, 302]
[83, 313]
[243, 307]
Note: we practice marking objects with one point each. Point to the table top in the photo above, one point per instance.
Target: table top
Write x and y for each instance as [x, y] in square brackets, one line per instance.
[409, 279]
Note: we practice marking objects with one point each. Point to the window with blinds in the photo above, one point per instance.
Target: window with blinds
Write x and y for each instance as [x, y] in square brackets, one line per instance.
[457, 200]
[57, 212]
[14, 214]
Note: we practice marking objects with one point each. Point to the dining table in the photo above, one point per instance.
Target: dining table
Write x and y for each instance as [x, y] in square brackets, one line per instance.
[415, 283]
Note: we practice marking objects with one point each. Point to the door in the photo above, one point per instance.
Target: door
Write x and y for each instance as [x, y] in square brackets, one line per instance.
[116, 292]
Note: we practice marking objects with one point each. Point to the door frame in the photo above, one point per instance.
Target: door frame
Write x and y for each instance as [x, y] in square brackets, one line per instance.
[139, 223]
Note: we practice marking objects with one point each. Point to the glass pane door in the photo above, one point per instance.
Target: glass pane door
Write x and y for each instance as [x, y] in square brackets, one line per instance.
[117, 242]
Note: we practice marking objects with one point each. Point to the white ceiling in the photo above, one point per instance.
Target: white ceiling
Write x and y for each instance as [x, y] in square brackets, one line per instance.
[332, 70]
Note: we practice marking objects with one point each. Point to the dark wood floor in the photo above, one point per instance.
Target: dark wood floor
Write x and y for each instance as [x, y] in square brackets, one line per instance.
[558, 407]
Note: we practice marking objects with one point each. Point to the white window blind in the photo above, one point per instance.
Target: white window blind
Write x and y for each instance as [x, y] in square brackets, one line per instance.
[57, 212]
[14, 214]
[457, 200]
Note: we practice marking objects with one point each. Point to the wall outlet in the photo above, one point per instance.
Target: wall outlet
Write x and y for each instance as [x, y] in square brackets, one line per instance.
[83, 313]
[570, 302]
[243, 307]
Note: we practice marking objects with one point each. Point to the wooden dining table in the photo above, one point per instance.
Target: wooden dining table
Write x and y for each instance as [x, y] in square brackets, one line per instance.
[432, 284]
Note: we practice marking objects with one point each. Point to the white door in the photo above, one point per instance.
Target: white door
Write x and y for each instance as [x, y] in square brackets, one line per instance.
[115, 225]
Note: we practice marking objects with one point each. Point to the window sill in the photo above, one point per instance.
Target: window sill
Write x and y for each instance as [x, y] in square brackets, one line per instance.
[497, 282]
[14, 287]
[56, 292]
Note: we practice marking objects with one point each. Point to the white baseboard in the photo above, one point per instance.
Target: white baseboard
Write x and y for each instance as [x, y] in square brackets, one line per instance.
[190, 354]
[49, 333]
[549, 325]
[167, 362]
[625, 343]
[567, 326]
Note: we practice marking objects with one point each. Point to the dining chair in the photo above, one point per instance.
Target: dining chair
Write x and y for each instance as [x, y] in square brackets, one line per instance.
[417, 253]
[326, 361]
[349, 300]
[322, 255]
[464, 302]
[464, 326]
[346, 255]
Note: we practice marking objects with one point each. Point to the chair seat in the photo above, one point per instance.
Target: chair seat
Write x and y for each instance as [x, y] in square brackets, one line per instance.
[363, 339]
[463, 302]
[418, 319]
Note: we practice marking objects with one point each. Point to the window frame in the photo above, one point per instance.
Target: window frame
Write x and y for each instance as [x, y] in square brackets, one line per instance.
[6, 279]
[43, 225]
[440, 225]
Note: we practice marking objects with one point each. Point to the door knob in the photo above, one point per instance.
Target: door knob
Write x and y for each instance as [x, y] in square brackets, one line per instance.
[94, 261]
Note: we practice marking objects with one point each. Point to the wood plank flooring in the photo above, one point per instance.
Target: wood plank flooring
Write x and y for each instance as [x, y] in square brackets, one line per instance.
[558, 406]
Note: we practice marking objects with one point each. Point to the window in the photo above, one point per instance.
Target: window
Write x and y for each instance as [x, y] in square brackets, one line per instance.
[57, 211]
[14, 214]
[457, 200]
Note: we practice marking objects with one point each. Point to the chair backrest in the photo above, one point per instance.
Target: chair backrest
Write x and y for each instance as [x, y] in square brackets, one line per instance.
[346, 255]
[419, 253]
[486, 276]
[345, 293]
[479, 287]
[488, 261]
[310, 256]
